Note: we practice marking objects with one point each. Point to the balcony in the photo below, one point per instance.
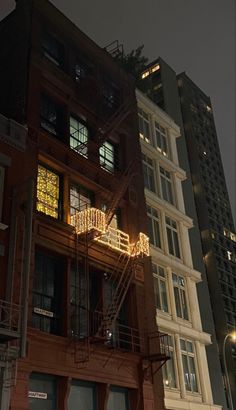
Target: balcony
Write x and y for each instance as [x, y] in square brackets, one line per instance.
[12, 133]
[9, 321]
[93, 219]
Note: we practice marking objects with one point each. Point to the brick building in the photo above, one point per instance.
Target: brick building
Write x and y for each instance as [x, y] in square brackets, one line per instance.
[77, 301]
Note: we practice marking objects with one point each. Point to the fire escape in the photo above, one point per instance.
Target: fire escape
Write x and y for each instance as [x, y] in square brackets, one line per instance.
[94, 226]
[14, 309]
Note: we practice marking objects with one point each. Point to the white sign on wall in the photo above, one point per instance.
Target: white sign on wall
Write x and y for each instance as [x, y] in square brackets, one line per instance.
[37, 395]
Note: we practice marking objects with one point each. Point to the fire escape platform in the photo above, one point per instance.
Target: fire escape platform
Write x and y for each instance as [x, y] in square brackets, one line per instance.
[7, 335]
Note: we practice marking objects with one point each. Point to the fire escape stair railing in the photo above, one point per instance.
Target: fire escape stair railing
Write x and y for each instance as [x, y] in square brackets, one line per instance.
[126, 178]
[111, 313]
[114, 121]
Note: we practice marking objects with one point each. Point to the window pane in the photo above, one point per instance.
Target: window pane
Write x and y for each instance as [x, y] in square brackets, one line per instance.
[163, 296]
[82, 397]
[193, 377]
[78, 136]
[186, 372]
[107, 156]
[117, 400]
[177, 302]
[48, 192]
[176, 244]
[46, 385]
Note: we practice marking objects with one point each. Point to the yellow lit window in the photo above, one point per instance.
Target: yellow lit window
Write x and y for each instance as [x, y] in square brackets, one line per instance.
[48, 192]
[145, 74]
[155, 68]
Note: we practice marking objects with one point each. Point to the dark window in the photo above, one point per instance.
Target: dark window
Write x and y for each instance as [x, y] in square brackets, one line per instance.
[42, 392]
[80, 198]
[47, 285]
[83, 68]
[110, 95]
[53, 49]
[82, 395]
[79, 301]
[118, 399]
[51, 116]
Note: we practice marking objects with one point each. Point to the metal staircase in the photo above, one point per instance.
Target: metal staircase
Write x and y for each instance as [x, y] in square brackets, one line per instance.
[122, 281]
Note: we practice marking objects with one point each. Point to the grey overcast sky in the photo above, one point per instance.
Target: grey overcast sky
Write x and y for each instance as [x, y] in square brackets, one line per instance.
[195, 36]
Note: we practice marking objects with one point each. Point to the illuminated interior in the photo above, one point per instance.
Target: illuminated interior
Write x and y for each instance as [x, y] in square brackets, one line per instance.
[47, 192]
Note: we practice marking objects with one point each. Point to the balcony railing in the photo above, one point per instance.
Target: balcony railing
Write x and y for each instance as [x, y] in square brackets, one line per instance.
[92, 324]
[116, 239]
[95, 219]
[9, 320]
[13, 133]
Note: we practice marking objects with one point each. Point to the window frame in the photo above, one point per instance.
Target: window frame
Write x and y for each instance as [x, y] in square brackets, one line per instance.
[58, 210]
[192, 355]
[109, 165]
[158, 278]
[174, 236]
[81, 144]
[41, 289]
[144, 125]
[173, 360]
[57, 57]
[163, 135]
[182, 299]
[53, 126]
[166, 185]
[149, 173]
[157, 240]
[85, 198]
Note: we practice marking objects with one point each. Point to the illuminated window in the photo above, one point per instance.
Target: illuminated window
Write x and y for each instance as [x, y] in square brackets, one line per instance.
[48, 192]
[51, 116]
[78, 136]
[169, 368]
[189, 368]
[80, 198]
[148, 173]
[229, 234]
[160, 287]
[166, 185]
[180, 296]
[161, 139]
[107, 156]
[154, 226]
[172, 237]
[53, 49]
[144, 126]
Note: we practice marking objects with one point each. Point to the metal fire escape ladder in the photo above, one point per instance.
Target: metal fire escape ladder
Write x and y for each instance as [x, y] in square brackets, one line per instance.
[111, 313]
[114, 121]
[110, 125]
[125, 181]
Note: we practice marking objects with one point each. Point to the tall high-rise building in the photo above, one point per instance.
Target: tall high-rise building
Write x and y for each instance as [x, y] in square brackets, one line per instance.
[185, 375]
[77, 315]
[192, 110]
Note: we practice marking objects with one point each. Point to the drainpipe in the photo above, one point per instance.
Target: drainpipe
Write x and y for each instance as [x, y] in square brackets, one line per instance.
[12, 249]
[26, 266]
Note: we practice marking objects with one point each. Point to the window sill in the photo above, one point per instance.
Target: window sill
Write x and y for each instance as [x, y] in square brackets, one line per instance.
[3, 226]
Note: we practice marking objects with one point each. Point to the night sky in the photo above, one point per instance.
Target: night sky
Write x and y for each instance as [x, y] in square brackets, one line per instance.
[195, 36]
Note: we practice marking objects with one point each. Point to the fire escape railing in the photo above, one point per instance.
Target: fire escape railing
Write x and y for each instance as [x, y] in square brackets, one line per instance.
[9, 317]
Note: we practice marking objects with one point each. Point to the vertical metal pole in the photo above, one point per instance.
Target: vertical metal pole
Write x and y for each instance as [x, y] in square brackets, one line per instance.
[12, 249]
[26, 266]
[231, 406]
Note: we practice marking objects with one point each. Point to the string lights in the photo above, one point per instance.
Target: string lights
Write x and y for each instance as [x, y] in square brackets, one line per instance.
[95, 219]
